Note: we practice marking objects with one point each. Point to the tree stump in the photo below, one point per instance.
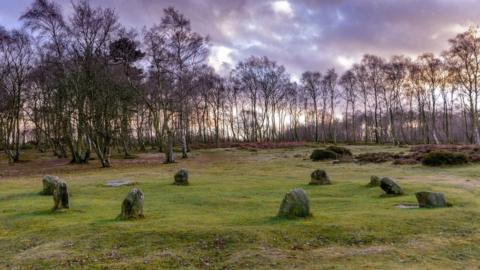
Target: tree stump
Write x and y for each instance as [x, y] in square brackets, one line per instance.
[60, 196]
[181, 178]
[295, 204]
[132, 206]
[49, 183]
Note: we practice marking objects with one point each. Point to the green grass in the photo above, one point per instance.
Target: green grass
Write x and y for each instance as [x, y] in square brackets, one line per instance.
[226, 217]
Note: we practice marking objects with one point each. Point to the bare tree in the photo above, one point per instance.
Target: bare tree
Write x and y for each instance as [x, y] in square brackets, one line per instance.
[348, 81]
[16, 56]
[311, 82]
[465, 62]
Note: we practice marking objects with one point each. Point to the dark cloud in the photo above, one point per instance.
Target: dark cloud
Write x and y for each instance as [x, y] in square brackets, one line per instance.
[303, 34]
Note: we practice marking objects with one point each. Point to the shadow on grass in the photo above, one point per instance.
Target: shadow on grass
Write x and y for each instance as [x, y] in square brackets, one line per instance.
[385, 195]
[19, 196]
[118, 220]
[284, 220]
[48, 212]
[39, 213]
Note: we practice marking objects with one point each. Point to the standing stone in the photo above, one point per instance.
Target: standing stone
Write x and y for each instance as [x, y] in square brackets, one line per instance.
[295, 204]
[430, 199]
[374, 181]
[181, 177]
[60, 196]
[49, 183]
[390, 186]
[132, 206]
[319, 177]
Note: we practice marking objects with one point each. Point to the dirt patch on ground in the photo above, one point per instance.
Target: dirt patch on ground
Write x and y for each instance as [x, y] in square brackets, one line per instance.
[48, 251]
[268, 256]
[342, 251]
[251, 146]
[44, 166]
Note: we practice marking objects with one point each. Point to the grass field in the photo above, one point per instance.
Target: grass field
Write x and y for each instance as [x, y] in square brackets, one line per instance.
[225, 219]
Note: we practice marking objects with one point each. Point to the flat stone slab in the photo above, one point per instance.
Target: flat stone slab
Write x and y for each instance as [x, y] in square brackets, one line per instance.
[407, 206]
[119, 183]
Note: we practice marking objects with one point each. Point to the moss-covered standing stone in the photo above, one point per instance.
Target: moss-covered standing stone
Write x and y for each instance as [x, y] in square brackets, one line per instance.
[319, 177]
[295, 204]
[60, 196]
[181, 178]
[49, 183]
[132, 206]
[390, 186]
[429, 199]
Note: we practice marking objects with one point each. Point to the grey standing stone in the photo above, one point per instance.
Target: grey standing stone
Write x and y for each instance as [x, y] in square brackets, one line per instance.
[60, 196]
[295, 204]
[132, 206]
[430, 199]
[374, 181]
[390, 186]
[181, 177]
[49, 183]
[319, 177]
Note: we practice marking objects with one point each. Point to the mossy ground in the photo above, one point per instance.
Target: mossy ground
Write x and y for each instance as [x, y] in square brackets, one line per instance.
[225, 218]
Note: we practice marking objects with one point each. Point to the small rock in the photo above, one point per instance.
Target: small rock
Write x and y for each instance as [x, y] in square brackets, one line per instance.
[49, 183]
[335, 162]
[295, 204]
[119, 183]
[181, 177]
[430, 199]
[60, 196]
[406, 206]
[132, 206]
[374, 181]
[319, 177]
[390, 186]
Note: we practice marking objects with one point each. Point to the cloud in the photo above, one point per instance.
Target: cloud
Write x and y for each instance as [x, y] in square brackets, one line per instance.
[282, 7]
[345, 62]
[221, 57]
[304, 34]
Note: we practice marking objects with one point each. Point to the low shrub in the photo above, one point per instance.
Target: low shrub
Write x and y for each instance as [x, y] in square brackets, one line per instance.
[378, 157]
[321, 154]
[441, 158]
[27, 146]
[343, 151]
[405, 161]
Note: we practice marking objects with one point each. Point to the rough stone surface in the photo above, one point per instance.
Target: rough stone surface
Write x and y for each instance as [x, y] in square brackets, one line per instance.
[430, 199]
[132, 206]
[181, 177]
[374, 181]
[319, 177]
[295, 204]
[119, 183]
[49, 183]
[390, 186]
[60, 196]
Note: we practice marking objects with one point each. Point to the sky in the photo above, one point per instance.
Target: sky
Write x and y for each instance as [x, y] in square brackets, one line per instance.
[299, 34]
